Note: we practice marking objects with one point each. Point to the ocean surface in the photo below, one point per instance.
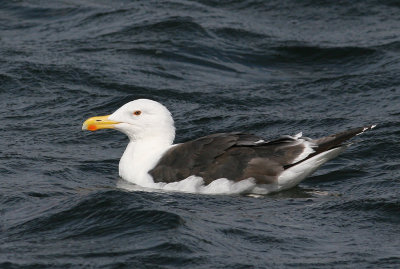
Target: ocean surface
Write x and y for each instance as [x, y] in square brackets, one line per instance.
[264, 67]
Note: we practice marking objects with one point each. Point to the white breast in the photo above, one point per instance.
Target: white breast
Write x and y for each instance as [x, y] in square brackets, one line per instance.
[140, 157]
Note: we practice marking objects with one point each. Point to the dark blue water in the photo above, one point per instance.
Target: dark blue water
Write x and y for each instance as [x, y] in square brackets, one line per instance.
[268, 68]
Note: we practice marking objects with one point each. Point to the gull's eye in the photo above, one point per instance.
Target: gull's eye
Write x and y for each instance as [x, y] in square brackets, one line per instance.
[137, 112]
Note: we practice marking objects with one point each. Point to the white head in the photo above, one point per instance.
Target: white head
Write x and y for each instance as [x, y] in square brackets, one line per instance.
[140, 119]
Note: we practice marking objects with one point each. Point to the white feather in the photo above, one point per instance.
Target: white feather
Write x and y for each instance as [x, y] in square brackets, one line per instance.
[298, 135]
[297, 173]
[308, 149]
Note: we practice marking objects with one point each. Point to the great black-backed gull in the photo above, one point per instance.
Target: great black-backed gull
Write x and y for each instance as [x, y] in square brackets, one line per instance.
[151, 157]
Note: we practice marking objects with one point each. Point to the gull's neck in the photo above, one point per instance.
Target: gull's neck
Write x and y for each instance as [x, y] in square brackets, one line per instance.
[141, 155]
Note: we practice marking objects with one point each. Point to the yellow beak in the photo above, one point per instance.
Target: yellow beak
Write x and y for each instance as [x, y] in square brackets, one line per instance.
[97, 123]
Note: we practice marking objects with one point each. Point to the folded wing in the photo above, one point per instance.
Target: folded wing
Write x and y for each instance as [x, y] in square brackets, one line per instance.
[239, 156]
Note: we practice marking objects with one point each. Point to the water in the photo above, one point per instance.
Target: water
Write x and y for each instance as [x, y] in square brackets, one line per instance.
[271, 68]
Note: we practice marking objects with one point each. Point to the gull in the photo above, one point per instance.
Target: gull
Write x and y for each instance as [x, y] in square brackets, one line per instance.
[272, 165]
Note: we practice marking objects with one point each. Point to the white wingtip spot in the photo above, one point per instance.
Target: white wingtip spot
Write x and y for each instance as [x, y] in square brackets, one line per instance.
[367, 128]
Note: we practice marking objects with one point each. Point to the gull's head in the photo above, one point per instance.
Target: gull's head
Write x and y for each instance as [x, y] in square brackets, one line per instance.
[139, 119]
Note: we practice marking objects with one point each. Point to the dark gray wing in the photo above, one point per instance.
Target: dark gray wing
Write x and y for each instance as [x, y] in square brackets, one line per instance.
[238, 156]
[235, 156]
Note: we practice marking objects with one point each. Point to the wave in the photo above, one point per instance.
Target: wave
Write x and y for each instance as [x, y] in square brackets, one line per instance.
[316, 53]
[185, 26]
[379, 209]
[307, 56]
[102, 213]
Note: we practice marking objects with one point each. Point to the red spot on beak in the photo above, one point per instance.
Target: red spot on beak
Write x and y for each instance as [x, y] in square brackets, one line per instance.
[92, 128]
